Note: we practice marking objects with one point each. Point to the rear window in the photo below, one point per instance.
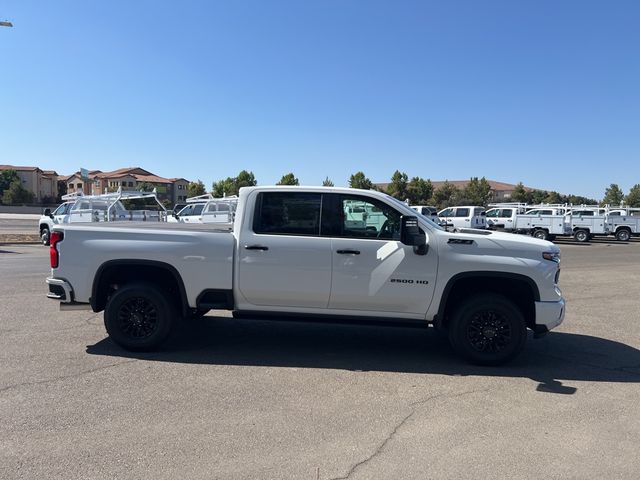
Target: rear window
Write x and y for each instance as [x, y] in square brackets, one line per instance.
[287, 213]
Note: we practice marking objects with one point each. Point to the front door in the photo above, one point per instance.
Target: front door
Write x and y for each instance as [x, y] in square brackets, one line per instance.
[372, 270]
[283, 261]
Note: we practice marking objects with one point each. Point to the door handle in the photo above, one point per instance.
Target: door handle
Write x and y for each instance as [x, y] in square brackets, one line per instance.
[256, 247]
[348, 252]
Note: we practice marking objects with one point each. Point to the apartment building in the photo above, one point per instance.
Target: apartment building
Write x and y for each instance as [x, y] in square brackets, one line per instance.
[42, 183]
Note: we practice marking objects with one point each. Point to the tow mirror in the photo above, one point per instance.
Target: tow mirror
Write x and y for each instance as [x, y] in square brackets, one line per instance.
[411, 235]
[47, 212]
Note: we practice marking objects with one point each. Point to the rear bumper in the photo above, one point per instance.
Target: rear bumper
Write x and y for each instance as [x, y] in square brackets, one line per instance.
[59, 290]
[549, 315]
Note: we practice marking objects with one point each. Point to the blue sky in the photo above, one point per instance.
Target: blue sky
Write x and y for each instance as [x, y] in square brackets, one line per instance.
[543, 92]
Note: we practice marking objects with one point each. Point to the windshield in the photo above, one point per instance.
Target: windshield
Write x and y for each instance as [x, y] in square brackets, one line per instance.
[406, 210]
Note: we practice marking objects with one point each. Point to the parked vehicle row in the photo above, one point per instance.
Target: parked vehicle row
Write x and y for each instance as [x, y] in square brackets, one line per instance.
[550, 221]
[107, 207]
[206, 209]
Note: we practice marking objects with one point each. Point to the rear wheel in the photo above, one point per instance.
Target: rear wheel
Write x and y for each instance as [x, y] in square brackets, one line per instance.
[581, 236]
[541, 234]
[488, 329]
[44, 235]
[623, 235]
[139, 317]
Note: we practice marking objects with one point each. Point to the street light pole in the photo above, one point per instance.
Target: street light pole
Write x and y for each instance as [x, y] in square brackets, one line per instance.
[6, 24]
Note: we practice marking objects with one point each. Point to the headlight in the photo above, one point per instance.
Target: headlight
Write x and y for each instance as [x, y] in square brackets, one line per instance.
[551, 256]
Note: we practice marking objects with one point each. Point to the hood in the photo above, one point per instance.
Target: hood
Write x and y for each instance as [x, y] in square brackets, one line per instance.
[506, 240]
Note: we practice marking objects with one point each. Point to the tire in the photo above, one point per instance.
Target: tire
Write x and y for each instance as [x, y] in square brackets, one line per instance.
[487, 329]
[138, 317]
[540, 234]
[623, 235]
[581, 236]
[44, 235]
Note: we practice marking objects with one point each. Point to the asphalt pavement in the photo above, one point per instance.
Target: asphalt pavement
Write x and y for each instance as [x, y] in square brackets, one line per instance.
[249, 399]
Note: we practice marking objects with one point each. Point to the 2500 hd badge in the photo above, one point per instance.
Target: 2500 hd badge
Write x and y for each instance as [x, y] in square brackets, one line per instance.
[409, 281]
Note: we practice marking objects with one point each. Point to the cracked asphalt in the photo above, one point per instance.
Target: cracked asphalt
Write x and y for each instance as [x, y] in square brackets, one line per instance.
[249, 399]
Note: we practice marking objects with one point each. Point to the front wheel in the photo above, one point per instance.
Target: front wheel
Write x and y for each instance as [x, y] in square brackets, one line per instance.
[623, 235]
[487, 329]
[44, 235]
[581, 236]
[138, 317]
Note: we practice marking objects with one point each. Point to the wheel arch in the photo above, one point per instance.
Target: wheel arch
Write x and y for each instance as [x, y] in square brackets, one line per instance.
[521, 289]
[135, 270]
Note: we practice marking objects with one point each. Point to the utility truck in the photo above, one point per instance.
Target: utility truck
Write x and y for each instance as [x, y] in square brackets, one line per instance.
[207, 209]
[106, 207]
[312, 253]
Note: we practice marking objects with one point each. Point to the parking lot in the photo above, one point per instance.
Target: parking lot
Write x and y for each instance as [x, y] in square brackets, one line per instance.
[249, 399]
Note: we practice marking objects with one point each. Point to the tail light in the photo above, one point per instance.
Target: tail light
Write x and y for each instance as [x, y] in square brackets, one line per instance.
[54, 239]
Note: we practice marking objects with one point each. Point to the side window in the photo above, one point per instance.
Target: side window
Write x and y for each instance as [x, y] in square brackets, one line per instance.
[462, 212]
[494, 213]
[505, 213]
[367, 218]
[287, 213]
[211, 208]
[447, 212]
[197, 209]
[186, 210]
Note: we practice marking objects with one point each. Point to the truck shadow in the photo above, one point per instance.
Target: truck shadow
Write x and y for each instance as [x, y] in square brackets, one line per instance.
[225, 341]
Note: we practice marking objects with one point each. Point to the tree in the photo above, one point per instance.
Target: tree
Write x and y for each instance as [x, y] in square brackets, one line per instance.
[613, 195]
[327, 183]
[7, 177]
[539, 196]
[195, 188]
[477, 192]
[419, 191]
[359, 180]
[16, 194]
[445, 195]
[245, 179]
[553, 197]
[231, 185]
[520, 194]
[633, 198]
[398, 186]
[288, 179]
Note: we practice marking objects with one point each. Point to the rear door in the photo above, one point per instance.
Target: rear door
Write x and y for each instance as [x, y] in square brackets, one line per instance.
[283, 261]
[372, 270]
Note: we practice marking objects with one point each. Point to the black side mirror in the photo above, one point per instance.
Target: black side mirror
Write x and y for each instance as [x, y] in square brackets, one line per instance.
[410, 234]
[175, 215]
[47, 212]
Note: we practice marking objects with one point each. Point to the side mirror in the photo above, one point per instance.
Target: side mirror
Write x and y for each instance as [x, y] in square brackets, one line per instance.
[47, 212]
[410, 234]
[175, 215]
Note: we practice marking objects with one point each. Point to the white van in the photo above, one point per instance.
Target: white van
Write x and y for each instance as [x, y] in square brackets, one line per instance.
[469, 216]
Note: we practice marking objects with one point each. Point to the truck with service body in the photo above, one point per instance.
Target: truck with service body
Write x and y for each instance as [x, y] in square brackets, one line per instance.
[298, 251]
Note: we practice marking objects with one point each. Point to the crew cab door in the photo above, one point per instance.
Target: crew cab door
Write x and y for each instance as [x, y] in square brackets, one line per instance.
[283, 261]
[372, 270]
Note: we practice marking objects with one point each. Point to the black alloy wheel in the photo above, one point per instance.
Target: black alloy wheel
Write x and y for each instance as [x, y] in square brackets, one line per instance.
[487, 329]
[139, 317]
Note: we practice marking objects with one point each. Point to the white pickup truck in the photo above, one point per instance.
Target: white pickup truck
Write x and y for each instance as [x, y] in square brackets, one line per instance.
[293, 251]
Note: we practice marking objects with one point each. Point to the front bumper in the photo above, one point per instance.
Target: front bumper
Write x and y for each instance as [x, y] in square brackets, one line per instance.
[60, 290]
[549, 315]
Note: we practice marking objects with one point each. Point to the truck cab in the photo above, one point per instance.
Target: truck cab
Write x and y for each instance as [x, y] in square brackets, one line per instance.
[464, 217]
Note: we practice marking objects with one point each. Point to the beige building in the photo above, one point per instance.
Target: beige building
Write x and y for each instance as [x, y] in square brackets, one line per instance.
[130, 178]
[42, 183]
